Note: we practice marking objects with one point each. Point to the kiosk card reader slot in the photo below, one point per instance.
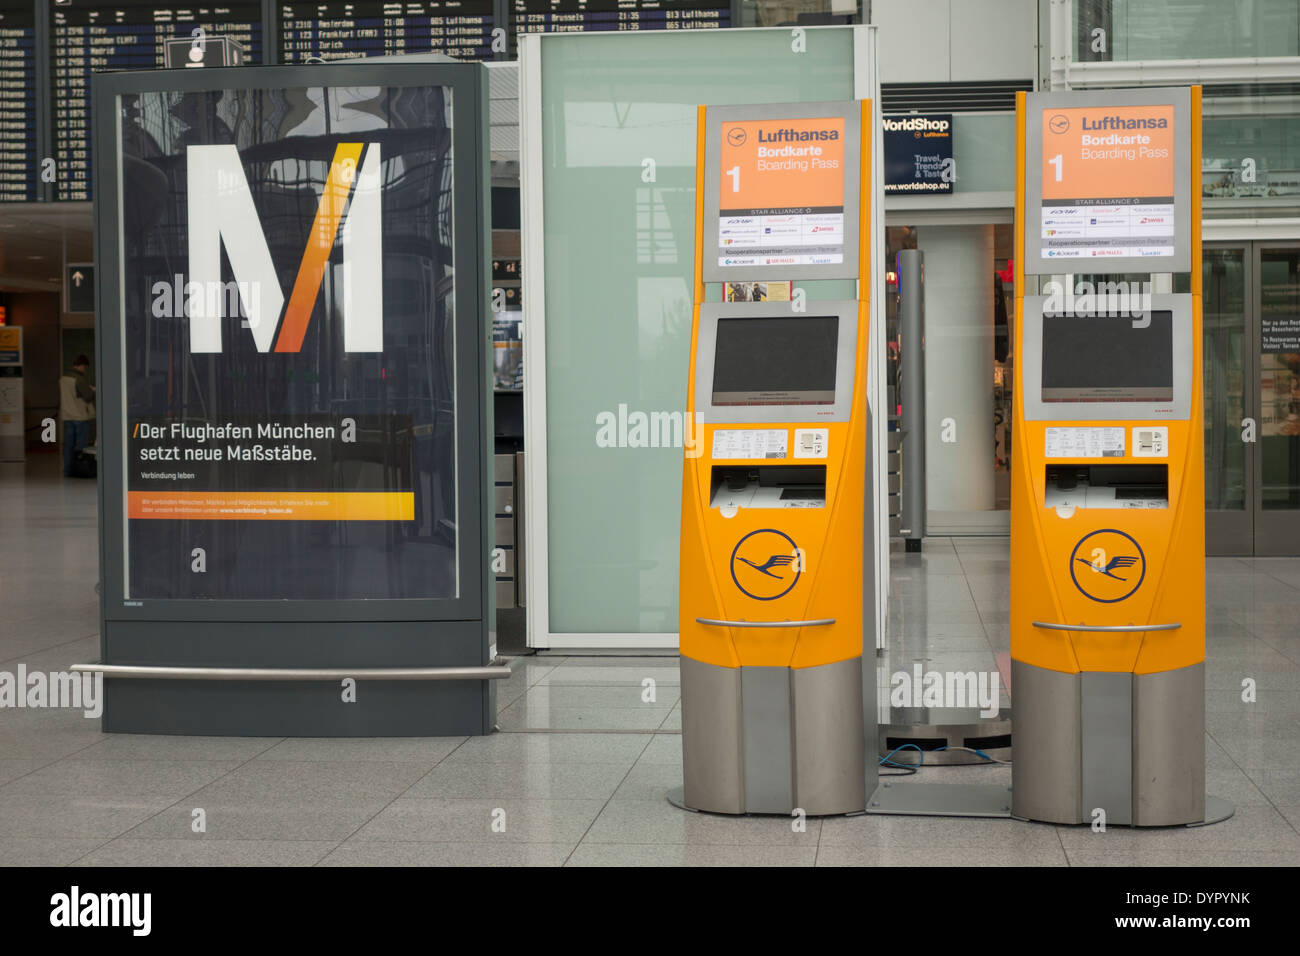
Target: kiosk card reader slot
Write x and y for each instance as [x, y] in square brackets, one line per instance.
[768, 486]
[1106, 486]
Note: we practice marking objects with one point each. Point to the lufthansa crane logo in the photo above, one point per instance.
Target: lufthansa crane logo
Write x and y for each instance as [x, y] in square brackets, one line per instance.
[765, 564]
[1108, 566]
[1058, 124]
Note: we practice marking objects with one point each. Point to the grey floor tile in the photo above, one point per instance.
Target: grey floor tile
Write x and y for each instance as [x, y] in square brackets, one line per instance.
[285, 784]
[129, 851]
[1280, 786]
[420, 750]
[167, 747]
[659, 822]
[951, 832]
[63, 816]
[43, 851]
[471, 821]
[1250, 829]
[305, 824]
[1256, 725]
[1250, 751]
[12, 768]
[650, 781]
[1234, 786]
[376, 853]
[663, 672]
[674, 719]
[48, 743]
[1150, 856]
[533, 714]
[663, 749]
[695, 854]
[622, 660]
[539, 781]
[604, 696]
[147, 780]
[552, 748]
[940, 856]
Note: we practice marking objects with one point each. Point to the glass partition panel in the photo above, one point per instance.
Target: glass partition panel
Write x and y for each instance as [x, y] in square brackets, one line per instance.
[1184, 29]
[619, 135]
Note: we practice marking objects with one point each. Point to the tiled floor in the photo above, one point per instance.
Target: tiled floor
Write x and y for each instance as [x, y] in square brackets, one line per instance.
[578, 774]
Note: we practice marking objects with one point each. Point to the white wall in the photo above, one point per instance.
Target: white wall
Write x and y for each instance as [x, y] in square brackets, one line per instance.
[954, 41]
[958, 366]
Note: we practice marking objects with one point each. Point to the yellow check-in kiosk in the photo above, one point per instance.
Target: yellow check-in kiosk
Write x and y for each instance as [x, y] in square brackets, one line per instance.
[1107, 519]
[776, 540]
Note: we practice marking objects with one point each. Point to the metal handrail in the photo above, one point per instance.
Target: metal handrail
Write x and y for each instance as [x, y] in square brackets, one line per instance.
[821, 622]
[1114, 628]
[164, 672]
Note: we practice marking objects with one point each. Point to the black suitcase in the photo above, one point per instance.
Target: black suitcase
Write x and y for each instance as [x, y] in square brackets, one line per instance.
[85, 466]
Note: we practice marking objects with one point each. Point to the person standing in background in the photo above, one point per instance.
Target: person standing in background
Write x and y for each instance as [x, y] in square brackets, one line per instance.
[77, 397]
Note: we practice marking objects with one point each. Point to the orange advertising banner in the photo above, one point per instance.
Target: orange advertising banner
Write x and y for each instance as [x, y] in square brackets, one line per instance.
[770, 165]
[1107, 152]
[272, 506]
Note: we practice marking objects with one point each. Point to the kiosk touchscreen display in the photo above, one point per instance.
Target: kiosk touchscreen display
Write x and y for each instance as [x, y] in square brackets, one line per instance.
[776, 360]
[1108, 358]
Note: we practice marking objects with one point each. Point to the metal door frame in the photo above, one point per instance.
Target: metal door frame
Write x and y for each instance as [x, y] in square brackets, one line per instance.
[1230, 531]
[1277, 533]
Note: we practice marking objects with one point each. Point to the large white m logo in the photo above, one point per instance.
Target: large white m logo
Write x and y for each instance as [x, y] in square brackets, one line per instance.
[221, 213]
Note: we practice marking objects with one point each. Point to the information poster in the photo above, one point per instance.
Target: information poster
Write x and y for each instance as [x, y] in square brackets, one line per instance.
[290, 413]
[1111, 172]
[782, 192]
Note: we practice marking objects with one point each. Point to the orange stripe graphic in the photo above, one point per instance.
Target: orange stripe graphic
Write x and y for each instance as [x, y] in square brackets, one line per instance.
[272, 506]
[343, 172]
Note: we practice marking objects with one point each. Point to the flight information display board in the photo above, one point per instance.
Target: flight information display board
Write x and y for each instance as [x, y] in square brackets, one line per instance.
[585, 16]
[339, 31]
[91, 38]
[581, 16]
[17, 102]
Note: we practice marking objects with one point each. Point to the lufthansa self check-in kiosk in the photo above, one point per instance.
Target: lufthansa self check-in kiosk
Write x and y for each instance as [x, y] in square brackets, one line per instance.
[776, 539]
[1107, 522]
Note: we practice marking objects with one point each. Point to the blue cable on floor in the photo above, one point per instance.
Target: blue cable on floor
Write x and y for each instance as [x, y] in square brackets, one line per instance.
[886, 762]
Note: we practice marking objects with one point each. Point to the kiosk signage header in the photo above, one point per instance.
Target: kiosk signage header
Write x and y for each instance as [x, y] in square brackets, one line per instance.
[1107, 180]
[786, 182]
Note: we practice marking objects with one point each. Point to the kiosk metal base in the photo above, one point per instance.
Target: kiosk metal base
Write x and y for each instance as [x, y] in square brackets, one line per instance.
[941, 800]
[1132, 745]
[770, 739]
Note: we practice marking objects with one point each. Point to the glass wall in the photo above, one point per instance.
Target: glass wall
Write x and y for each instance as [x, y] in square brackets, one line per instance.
[619, 134]
[1185, 29]
[969, 302]
[1251, 147]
